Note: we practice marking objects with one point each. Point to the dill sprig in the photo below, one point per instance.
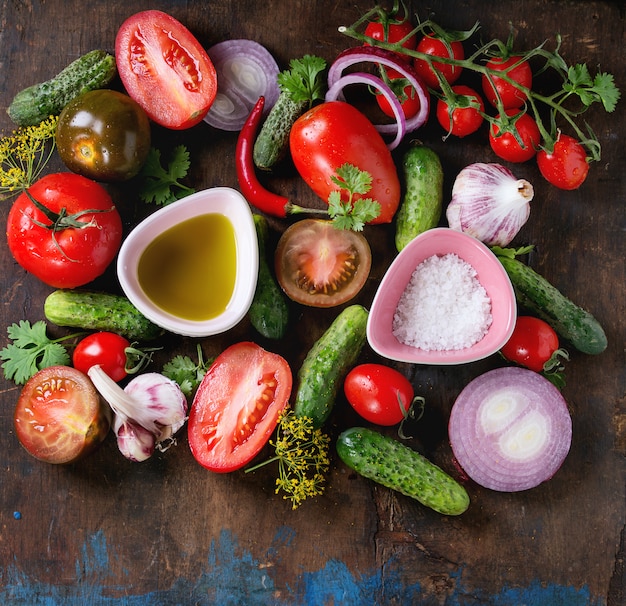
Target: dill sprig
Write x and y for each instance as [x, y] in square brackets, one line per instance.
[24, 155]
[302, 455]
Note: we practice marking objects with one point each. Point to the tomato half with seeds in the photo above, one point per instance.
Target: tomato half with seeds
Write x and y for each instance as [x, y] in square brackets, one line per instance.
[321, 266]
[236, 406]
[165, 69]
[59, 416]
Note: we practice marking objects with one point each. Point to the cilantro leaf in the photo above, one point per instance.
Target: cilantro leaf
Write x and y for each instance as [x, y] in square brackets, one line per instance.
[303, 80]
[161, 185]
[31, 351]
[187, 373]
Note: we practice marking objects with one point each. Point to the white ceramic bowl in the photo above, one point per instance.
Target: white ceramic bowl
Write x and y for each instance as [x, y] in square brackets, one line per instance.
[222, 200]
[490, 274]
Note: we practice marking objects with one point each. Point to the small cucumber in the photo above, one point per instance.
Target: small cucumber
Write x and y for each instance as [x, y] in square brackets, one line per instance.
[421, 205]
[327, 363]
[269, 312]
[396, 466]
[99, 311]
[570, 321]
[96, 69]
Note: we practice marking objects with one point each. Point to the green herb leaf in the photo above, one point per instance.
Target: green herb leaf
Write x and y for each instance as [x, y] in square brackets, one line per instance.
[31, 351]
[187, 373]
[303, 81]
[161, 185]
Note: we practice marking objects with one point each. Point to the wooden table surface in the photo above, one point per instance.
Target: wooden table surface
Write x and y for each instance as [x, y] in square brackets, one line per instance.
[107, 531]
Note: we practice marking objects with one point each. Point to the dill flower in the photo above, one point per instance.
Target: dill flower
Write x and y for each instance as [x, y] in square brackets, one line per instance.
[302, 455]
[24, 155]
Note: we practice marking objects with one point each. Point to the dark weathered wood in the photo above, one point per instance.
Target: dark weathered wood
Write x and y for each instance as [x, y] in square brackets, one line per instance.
[168, 532]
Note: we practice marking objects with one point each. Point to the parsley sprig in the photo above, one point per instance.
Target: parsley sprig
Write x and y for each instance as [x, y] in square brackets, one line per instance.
[187, 372]
[303, 81]
[162, 185]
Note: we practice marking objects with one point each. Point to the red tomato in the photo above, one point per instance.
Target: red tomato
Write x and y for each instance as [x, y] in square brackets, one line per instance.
[510, 95]
[506, 145]
[60, 416]
[237, 405]
[65, 257]
[390, 30]
[532, 343]
[380, 394]
[464, 120]
[165, 69]
[406, 95]
[567, 166]
[436, 47]
[335, 133]
[104, 348]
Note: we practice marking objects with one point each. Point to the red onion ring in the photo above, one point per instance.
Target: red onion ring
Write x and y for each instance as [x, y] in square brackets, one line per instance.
[510, 429]
[380, 56]
[246, 70]
[335, 92]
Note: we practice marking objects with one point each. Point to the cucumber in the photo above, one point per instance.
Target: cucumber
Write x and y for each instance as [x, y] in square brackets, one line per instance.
[538, 296]
[396, 466]
[95, 69]
[269, 312]
[99, 311]
[327, 363]
[421, 206]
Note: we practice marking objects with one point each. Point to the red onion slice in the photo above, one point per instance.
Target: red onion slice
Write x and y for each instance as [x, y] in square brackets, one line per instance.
[371, 54]
[510, 429]
[246, 70]
[335, 92]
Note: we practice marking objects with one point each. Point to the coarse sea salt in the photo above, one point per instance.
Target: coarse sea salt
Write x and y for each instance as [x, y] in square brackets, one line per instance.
[444, 306]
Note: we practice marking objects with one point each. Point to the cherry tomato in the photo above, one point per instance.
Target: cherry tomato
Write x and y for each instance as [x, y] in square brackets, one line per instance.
[380, 394]
[409, 100]
[321, 266]
[464, 120]
[393, 31]
[59, 416]
[567, 166]
[165, 69]
[510, 96]
[103, 135]
[436, 47]
[236, 406]
[506, 145]
[65, 257]
[335, 133]
[532, 343]
[104, 348]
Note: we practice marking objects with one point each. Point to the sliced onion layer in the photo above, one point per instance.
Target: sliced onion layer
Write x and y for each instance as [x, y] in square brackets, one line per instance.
[246, 70]
[510, 429]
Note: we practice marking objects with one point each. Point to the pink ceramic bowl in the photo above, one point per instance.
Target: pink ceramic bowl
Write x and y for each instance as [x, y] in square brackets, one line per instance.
[490, 274]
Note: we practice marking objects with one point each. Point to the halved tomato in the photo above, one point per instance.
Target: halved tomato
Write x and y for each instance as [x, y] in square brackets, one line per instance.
[321, 266]
[165, 69]
[236, 406]
[59, 416]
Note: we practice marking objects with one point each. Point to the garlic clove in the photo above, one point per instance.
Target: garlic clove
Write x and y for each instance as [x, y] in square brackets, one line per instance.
[134, 441]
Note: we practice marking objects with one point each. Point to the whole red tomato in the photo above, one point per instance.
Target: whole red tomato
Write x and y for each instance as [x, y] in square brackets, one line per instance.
[72, 238]
[390, 29]
[508, 147]
[165, 69]
[462, 121]
[335, 133]
[566, 166]
[510, 95]
[532, 344]
[408, 97]
[431, 45]
[106, 349]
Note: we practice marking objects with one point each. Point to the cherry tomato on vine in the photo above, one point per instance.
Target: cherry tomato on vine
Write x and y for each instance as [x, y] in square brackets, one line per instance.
[567, 166]
[73, 239]
[393, 30]
[464, 120]
[106, 349]
[506, 145]
[436, 47]
[510, 96]
[532, 344]
[409, 100]
[379, 393]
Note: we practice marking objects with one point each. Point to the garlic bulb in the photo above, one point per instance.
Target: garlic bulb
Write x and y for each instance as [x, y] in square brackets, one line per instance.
[489, 203]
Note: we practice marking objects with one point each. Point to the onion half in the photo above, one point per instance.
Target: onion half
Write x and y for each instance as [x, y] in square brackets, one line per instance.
[246, 70]
[510, 429]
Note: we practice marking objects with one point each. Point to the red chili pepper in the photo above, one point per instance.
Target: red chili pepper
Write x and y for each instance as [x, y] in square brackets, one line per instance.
[252, 190]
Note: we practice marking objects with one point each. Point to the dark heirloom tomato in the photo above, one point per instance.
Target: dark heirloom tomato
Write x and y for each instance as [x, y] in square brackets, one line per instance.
[165, 69]
[335, 133]
[321, 266]
[59, 416]
[64, 257]
[103, 135]
[236, 407]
